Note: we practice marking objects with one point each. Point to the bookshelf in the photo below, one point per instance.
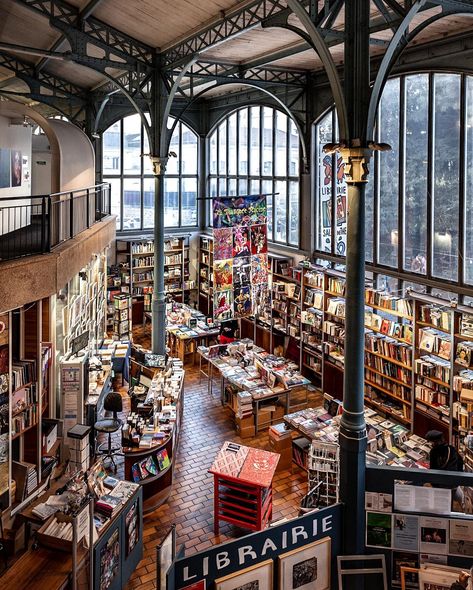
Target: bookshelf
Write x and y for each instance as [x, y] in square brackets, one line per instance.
[205, 275]
[122, 325]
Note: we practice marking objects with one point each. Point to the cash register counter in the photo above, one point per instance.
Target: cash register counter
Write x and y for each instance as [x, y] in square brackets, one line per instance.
[156, 487]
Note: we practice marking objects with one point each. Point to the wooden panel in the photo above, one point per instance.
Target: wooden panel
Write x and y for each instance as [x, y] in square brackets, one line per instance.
[46, 320]
[24, 27]
[30, 331]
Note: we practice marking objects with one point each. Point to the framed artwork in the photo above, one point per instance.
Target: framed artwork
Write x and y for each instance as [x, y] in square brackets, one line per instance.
[256, 577]
[16, 163]
[307, 567]
[166, 553]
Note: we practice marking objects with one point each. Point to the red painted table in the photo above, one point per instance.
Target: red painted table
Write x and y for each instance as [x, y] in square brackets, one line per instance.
[243, 492]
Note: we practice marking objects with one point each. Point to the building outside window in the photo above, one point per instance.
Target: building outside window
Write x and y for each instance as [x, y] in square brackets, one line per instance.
[130, 174]
[256, 150]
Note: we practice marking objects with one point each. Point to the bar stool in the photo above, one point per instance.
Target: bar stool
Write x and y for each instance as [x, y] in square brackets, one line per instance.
[109, 425]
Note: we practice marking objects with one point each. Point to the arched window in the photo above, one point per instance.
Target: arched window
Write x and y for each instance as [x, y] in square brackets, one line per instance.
[256, 150]
[419, 201]
[131, 176]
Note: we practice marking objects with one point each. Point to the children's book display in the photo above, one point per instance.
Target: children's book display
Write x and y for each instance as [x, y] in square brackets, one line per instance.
[240, 256]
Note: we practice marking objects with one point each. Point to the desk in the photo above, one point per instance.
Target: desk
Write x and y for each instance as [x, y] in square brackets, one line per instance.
[243, 493]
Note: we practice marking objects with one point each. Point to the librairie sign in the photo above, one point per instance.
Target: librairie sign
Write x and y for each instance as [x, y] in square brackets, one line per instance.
[230, 557]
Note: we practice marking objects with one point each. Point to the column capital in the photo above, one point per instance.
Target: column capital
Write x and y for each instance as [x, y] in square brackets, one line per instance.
[159, 165]
[356, 163]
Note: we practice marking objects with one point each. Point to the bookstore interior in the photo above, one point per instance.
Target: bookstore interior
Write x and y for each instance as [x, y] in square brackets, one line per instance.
[236, 314]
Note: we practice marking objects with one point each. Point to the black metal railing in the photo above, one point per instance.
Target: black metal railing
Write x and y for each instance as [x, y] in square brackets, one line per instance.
[36, 225]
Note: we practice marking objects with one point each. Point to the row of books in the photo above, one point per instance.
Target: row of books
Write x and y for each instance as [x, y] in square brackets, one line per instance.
[435, 342]
[23, 371]
[400, 391]
[173, 259]
[430, 366]
[143, 261]
[312, 317]
[387, 368]
[333, 329]
[336, 307]
[336, 285]
[388, 301]
[142, 247]
[391, 328]
[150, 466]
[432, 397]
[432, 314]
[314, 279]
[385, 403]
[314, 299]
[389, 347]
[143, 276]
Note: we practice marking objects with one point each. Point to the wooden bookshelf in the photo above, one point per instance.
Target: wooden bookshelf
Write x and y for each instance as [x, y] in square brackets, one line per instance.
[205, 275]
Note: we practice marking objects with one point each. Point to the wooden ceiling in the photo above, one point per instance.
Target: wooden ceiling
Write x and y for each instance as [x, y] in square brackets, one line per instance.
[161, 24]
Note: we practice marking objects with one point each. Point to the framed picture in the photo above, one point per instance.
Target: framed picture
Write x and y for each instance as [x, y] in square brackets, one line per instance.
[306, 568]
[166, 553]
[256, 577]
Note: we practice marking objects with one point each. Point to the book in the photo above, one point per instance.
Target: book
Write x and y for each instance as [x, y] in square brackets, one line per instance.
[151, 467]
[163, 460]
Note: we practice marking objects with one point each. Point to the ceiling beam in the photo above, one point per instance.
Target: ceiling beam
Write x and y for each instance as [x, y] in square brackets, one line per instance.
[59, 43]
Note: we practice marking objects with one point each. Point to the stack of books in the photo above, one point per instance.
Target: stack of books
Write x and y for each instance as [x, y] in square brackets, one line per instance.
[108, 505]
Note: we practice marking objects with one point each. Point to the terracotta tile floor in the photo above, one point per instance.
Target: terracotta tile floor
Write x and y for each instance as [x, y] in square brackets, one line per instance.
[206, 425]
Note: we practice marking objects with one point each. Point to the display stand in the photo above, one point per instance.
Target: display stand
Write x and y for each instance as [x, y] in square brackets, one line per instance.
[243, 492]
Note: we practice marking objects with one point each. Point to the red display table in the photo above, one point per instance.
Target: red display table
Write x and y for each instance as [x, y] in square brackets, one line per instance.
[243, 492]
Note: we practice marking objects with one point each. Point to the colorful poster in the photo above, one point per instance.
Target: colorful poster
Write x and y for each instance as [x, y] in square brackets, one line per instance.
[240, 256]
[16, 163]
[378, 529]
[406, 532]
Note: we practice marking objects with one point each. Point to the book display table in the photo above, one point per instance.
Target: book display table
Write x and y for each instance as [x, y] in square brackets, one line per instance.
[243, 492]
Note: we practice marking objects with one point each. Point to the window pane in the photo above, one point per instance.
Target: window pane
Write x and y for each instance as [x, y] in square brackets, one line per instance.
[280, 165]
[294, 213]
[147, 165]
[446, 175]
[324, 134]
[280, 211]
[389, 174]
[293, 149]
[254, 187]
[173, 163]
[115, 194]
[267, 189]
[222, 148]
[340, 206]
[148, 202]
[190, 151]
[213, 153]
[232, 151]
[171, 202]
[111, 149]
[232, 187]
[415, 177]
[242, 187]
[267, 142]
[132, 144]
[468, 270]
[222, 187]
[131, 203]
[254, 141]
[189, 201]
[243, 141]
[209, 202]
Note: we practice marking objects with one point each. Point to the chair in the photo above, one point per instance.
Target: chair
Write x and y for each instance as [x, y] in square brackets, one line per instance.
[112, 403]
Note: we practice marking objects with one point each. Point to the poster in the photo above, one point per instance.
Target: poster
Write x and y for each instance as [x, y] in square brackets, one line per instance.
[25, 169]
[4, 168]
[131, 528]
[461, 538]
[379, 502]
[109, 561]
[240, 267]
[16, 164]
[406, 532]
[378, 529]
[433, 535]
[402, 559]
[409, 498]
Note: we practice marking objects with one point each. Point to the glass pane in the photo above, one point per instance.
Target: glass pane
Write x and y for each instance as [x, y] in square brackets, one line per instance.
[415, 177]
[267, 189]
[293, 149]
[148, 202]
[232, 146]
[222, 148]
[242, 187]
[389, 174]
[190, 151]
[131, 203]
[111, 149]
[232, 187]
[213, 153]
[254, 187]
[173, 161]
[115, 194]
[468, 270]
[369, 214]
[267, 142]
[243, 141]
[280, 211]
[147, 166]
[171, 202]
[132, 144]
[255, 141]
[324, 134]
[340, 207]
[387, 283]
[294, 213]
[222, 187]
[280, 166]
[209, 202]
[189, 201]
[446, 175]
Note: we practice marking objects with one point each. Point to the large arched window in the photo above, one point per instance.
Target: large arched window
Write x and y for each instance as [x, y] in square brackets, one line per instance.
[419, 202]
[256, 150]
[131, 176]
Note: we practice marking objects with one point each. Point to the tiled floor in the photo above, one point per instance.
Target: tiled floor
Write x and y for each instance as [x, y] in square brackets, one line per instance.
[206, 425]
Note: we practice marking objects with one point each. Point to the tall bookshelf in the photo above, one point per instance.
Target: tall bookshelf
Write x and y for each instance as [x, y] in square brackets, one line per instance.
[205, 275]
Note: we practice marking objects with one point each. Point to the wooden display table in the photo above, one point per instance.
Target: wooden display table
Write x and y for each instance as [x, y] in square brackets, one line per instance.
[243, 492]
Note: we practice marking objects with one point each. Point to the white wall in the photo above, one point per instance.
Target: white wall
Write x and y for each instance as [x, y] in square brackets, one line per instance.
[41, 166]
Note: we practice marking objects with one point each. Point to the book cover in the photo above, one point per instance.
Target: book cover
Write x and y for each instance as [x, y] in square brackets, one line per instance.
[163, 460]
[136, 472]
[151, 466]
[463, 355]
